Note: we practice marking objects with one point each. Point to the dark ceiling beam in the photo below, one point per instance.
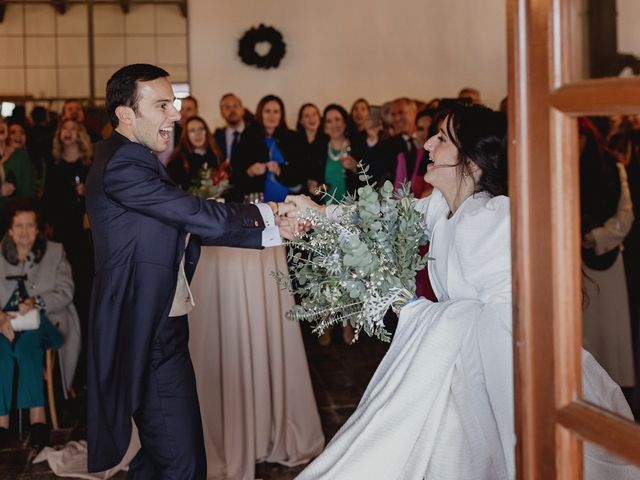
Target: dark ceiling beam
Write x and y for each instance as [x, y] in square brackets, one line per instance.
[125, 5]
[61, 6]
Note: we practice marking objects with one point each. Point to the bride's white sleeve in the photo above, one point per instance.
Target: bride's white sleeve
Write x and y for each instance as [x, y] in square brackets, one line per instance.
[431, 208]
[483, 249]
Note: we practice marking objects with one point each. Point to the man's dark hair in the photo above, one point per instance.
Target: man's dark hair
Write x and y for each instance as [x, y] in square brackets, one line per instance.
[122, 87]
[193, 99]
[39, 115]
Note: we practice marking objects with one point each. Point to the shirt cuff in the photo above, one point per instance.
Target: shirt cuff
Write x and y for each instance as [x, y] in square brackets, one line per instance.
[271, 233]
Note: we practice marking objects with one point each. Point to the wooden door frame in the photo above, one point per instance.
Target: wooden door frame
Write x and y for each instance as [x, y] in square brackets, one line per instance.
[544, 100]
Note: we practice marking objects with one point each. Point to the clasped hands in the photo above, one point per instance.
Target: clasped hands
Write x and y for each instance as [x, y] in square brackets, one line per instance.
[287, 215]
[5, 318]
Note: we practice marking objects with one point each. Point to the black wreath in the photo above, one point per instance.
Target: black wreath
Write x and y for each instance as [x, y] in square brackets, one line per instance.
[253, 36]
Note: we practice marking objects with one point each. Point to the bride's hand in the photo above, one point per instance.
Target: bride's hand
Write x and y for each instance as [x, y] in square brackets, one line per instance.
[301, 203]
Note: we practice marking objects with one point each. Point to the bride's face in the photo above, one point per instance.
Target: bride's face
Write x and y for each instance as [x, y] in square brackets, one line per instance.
[443, 170]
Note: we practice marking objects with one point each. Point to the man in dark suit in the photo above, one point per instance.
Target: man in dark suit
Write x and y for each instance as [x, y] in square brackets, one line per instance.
[384, 156]
[138, 360]
[234, 115]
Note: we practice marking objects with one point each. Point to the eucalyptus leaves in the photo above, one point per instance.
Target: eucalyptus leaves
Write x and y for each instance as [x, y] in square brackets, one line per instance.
[354, 266]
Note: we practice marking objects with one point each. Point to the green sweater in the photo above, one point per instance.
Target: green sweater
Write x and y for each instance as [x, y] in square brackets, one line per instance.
[19, 170]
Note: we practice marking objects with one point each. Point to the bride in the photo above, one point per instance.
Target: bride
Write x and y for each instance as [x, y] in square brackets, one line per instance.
[440, 405]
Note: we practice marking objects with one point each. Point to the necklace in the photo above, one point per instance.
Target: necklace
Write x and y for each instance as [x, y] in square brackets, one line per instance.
[336, 155]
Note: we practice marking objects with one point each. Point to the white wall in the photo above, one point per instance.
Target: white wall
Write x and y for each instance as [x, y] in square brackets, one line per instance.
[46, 54]
[628, 28]
[338, 50]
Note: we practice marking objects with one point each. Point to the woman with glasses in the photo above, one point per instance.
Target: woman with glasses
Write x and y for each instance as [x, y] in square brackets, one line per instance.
[195, 148]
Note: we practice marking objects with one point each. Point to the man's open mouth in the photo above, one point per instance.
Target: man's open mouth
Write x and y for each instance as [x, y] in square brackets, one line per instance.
[165, 133]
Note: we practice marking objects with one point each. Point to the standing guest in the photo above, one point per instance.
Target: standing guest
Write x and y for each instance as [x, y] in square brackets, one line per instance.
[361, 114]
[17, 135]
[361, 119]
[188, 109]
[64, 207]
[34, 276]
[16, 170]
[234, 113]
[314, 142]
[138, 359]
[73, 110]
[606, 216]
[39, 144]
[195, 148]
[402, 112]
[268, 159]
[411, 166]
[472, 95]
[337, 168]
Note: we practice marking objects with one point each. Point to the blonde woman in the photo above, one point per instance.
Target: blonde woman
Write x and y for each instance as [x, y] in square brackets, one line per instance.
[64, 204]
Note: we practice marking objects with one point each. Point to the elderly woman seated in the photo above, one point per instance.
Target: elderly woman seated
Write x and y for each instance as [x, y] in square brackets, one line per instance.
[36, 292]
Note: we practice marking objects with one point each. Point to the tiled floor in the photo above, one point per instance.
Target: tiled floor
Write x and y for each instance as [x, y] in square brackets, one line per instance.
[339, 373]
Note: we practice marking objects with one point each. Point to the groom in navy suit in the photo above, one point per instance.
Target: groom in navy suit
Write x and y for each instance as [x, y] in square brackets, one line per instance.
[138, 360]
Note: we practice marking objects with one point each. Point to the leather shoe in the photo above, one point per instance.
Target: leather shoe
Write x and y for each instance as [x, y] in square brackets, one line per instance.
[4, 438]
[39, 436]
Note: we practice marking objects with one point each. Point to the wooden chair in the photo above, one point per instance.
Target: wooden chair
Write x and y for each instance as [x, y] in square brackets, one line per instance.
[49, 368]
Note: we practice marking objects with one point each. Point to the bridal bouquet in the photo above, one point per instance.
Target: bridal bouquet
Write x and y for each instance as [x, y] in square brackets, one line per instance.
[353, 268]
[212, 183]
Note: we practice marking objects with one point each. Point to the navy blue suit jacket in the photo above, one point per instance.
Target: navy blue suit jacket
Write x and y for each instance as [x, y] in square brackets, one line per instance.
[139, 220]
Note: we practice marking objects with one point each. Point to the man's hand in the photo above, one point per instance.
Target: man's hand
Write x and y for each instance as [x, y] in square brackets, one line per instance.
[291, 227]
[5, 326]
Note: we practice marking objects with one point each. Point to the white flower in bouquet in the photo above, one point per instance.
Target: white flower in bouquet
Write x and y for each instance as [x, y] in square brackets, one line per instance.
[355, 267]
[212, 182]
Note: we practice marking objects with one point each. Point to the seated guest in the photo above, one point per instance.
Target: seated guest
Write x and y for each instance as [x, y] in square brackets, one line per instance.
[16, 170]
[411, 166]
[35, 282]
[314, 142]
[268, 158]
[384, 157]
[195, 148]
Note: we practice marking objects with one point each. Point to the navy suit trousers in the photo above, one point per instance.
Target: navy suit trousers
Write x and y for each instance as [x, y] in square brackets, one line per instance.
[168, 419]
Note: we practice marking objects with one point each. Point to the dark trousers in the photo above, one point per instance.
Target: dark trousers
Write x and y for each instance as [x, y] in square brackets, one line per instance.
[169, 418]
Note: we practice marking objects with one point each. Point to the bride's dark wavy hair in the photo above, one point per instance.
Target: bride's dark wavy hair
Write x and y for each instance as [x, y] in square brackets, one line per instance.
[480, 135]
